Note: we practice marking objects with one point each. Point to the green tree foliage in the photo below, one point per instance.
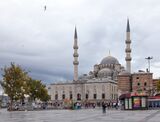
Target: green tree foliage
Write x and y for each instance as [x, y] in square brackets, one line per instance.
[37, 90]
[14, 82]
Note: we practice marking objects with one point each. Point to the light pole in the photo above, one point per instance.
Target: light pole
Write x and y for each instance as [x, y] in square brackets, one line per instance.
[149, 58]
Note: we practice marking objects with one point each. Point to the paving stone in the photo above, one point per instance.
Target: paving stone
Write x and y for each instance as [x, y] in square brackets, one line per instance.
[83, 115]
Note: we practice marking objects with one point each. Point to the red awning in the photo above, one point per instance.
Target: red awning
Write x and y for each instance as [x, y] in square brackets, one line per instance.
[123, 96]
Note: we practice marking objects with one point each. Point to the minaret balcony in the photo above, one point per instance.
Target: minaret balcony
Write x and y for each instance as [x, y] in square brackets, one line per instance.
[128, 41]
[128, 58]
[128, 50]
[75, 55]
[75, 47]
[75, 62]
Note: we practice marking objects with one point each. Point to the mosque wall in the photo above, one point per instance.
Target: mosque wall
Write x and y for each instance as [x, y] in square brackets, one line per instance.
[94, 91]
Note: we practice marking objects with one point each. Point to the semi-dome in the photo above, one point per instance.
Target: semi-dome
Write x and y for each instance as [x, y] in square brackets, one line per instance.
[109, 60]
[105, 72]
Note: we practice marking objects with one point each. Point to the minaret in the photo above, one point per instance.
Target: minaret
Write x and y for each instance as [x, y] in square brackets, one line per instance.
[128, 49]
[75, 55]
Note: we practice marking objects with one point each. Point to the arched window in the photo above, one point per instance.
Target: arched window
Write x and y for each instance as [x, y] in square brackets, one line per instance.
[145, 84]
[103, 95]
[71, 96]
[78, 96]
[86, 96]
[63, 96]
[94, 96]
[56, 96]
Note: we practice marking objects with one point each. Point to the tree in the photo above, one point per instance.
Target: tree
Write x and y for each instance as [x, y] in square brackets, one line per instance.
[44, 94]
[14, 82]
[36, 90]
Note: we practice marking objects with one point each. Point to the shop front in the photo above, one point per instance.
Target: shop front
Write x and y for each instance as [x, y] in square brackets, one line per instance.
[132, 101]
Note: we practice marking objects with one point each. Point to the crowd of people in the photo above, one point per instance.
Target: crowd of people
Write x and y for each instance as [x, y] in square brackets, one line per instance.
[85, 105]
[72, 105]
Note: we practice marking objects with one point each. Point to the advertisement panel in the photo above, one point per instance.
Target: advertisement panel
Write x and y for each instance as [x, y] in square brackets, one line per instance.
[136, 102]
[143, 102]
[130, 103]
[126, 103]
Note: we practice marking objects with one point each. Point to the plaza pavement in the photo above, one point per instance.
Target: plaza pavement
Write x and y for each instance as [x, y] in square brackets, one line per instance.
[83, 115]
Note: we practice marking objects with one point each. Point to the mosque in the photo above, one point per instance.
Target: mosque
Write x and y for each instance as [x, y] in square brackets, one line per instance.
[98, 85]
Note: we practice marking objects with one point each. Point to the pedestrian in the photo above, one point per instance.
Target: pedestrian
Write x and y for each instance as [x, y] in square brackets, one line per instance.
[104, 107]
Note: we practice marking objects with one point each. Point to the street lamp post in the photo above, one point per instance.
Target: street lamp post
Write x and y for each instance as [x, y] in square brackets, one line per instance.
[149, 59]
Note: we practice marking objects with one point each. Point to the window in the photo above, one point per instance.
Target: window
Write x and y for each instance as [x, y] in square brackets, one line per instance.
[137, 77]
[94, 96]
[103, 95]
[70, 96]
[145, 84]
[78, 96]
[63, 96]
[56, 97]
[138, 84]
[86, 96]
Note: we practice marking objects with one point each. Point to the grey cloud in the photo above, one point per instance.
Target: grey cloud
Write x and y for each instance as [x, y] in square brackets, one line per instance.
[42, 42]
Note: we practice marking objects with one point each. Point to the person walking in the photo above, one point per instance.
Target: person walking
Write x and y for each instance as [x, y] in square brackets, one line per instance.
[104, 107]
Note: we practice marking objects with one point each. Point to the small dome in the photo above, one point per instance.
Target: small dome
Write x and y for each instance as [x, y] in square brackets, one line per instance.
[109, 60]
[124, 73]
[105, 72]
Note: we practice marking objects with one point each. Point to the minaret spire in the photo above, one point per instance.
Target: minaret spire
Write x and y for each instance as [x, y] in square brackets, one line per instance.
[128, 49]
[75, 55]
[128, 27]
[75, 33]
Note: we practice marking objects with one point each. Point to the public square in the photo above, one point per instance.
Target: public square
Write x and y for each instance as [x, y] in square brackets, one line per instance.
[83, 115]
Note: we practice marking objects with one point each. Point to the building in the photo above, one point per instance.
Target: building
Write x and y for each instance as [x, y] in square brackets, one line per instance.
[97, 86]
[139, 82]
[134, 88]
[106, 82]
[3, 101]
[135, 82]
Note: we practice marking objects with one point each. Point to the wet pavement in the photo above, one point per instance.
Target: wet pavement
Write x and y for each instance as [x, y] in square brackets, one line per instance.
[84, 115]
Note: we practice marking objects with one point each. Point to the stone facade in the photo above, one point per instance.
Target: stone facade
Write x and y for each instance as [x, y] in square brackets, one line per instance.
[124, 83]
[90, 91]
[141, 82]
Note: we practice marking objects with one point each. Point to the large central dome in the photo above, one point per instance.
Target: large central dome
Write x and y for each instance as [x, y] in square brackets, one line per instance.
[109, 60]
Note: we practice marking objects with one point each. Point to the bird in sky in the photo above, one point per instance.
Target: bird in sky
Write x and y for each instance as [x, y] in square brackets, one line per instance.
[45, 7]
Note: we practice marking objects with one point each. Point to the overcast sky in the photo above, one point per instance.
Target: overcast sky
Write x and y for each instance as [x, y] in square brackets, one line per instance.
[42, 41]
